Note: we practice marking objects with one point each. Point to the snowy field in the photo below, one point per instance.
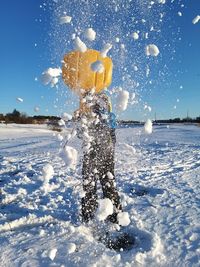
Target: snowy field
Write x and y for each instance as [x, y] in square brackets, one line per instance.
[158, 179]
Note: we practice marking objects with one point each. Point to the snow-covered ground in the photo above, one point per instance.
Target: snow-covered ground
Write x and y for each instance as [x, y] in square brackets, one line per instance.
[158, 179]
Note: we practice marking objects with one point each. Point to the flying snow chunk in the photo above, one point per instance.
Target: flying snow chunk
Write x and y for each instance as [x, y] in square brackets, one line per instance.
[50, 75]
[161, 1]
[97, 66]
[152, 50]
[180, 14]
[122, 100]
[36, 109]
[105, 50]
[196, 19]
[47, 172]
[66, 116]
[135, 36]
[90, 34]
[52, 253]
[65, 20]
[69, 156]
[148, 126]
[105, 208]
[71, 247]
[19, 99]
[80, 45]
[123, 218]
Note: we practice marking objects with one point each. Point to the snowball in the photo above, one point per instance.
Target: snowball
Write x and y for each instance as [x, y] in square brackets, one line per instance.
[196, 19]
[105, 208]
[19, 99]
[90, 34]
[148, 126]
[79, 45]
[135, 36]
[152, 50]
[69, 156]
[97, 66]
[71, 247]
[122, 100]
[105, 50]
[123, 218]
[52, 253]
[50, 75]
[65, 19]
[47, 172]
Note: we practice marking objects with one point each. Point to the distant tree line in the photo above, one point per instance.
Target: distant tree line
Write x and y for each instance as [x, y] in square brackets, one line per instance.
[23, 118]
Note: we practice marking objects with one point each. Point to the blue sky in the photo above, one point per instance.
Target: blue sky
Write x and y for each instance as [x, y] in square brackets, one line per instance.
[32, 40]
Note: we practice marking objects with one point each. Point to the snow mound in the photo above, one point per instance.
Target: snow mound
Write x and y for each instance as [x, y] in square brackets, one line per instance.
[69, 156]
[148, 126]
[105, 50]
[105, 208]
[65, 20]
[123, 218]
[196, 19]
[97, 66]
[152, 50]
[90, 34]
[80, 45]
[122, 100]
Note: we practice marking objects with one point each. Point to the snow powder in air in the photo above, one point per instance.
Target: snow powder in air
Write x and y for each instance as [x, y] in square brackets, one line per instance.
[97, 66]
[69, 156]
[80, 45]
[152, 50]
[122, 100]
[148, 126]
[65, 20]
[196, 19]
[123, 218]
[105, 50]
[105, 208]
[90, 34]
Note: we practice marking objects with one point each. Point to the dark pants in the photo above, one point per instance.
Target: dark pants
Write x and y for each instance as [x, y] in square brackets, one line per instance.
[98, 164]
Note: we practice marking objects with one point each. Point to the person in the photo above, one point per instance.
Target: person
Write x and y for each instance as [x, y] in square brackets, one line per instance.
[98, 133]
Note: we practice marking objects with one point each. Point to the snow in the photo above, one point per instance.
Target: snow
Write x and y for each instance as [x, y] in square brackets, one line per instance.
[80, 45]
[50, 76]
[135, 36]
[152, 50]
[105, 50]
[105, 208]
[90, 34]
[161, 198]
[69, 156]
[65, 20]
[97, 66]
[47, 172]
[52, 253]
[180, 14]
[19, 99]
[161, 1]
[36, 109]
[148, 126]
[196, 19]
[122, 100]
[123, 218]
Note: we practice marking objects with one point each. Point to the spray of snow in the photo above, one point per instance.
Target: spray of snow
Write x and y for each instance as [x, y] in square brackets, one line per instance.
[123, 218]
[148, 126]
[90, 34]
[122, 100]
[105, 50]
[65, 20]
[97, 66]
[196, 19]
[80, 45]
[105, 208]
[69, 156]
[152, 50]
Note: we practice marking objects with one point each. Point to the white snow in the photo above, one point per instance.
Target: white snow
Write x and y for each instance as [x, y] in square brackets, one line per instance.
[152, 50]
[105, 50]
[122, 100]
[97, 66]
[19, 99]
[196, 19]
[66, 116]
[47, 172]
[90, 34]
[50, 76]
[69, 156]
[36, 109]
[65, 20]
[148, 126]
[161, 1]
[71, 247]
[52, 253]
[80, 45]
[123, 218]
[135, 36]
[180, 14]
[105, 208]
